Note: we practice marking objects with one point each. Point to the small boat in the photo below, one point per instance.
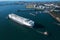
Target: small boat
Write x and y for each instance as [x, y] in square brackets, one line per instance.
[21, 20]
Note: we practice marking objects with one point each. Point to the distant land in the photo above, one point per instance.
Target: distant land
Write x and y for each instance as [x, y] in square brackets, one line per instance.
[22, 2]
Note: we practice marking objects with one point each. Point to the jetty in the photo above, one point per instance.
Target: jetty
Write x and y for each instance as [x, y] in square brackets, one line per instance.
[55, 15]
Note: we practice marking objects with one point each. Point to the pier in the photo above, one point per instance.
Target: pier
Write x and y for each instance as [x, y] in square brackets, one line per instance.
[55, 16]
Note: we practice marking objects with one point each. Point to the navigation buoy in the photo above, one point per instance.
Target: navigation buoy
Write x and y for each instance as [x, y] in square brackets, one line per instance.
[45, 33]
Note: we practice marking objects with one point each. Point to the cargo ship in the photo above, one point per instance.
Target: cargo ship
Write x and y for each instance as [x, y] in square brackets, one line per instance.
[21, 20]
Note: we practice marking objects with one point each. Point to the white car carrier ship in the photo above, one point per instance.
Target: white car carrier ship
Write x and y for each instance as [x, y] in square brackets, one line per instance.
[21, 20]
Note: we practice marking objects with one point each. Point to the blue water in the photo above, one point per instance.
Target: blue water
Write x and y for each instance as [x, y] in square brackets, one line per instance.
[10, 30]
